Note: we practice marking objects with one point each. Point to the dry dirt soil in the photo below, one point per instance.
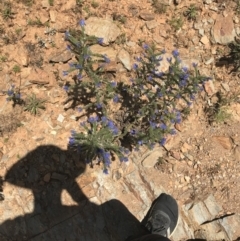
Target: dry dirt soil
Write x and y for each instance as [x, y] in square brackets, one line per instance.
[204, 156]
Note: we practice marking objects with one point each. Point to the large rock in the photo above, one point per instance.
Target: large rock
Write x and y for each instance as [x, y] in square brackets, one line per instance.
[102, 28]
[223, 30]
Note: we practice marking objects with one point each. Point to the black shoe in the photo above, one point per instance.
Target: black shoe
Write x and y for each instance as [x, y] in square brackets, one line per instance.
[162, 218]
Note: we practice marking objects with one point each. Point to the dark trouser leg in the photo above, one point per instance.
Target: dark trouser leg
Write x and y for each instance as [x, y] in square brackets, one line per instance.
[151, 237]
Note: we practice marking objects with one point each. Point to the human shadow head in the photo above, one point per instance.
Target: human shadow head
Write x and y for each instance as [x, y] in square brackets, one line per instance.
[48, 169]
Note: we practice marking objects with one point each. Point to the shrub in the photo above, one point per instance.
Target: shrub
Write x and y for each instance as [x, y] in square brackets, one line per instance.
[146, 108]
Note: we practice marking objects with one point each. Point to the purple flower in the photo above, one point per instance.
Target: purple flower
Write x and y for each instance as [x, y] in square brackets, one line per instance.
[163, 126]
[99, 106]
[83, 123]
[169, 60]
[123, 159]
[67, 34]
[106, 59]
[162, 141]
[100, 41]
[80, 109]
[135, 66]
[112, 127]
[78, 66]
[18, 96]
[139, 59]
[105, 171]
[10, 92]
[82, 23]
[149, 78]
[163, 51]
[192, 97]
[115, 98]
[79, 76]
[66, 87]
[145, 46]
[140, 142]
[152, 145]
[72, 141]
[86, 56]
[185, 69]
[104, 119]
[68, 47]
[173, 132]
[65, 73]
[152, 124]
[98, 85]
[114, 84]
[194, 65]
[175, 53]
[133, 132]
[93, 119]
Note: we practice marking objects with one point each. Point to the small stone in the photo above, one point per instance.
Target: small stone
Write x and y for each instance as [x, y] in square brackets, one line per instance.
[235, 19]
[201, 31]
[52, 14]
[47, 177]
[225, 142]
[147, 16]
[45, 4]
[69, 4]
[225, 86]
[58, 176]
[124, 57]
[187, 179]
[175, 154]
[197, 25]
[214, 8]
[204, 40]
[208, 1]
[190, 163]
[178, 127]
[22, 56]
[236, 153]
[151, 24]
[63, 56]
[209, 61]
[60, 118]
[209, 88]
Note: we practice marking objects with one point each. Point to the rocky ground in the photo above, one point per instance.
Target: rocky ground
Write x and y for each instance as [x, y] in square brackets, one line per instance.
[200, 166]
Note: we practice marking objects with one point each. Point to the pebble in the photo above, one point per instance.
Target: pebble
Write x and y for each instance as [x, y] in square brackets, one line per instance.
[190, 163]
[204, 40]
[47, 177]
[208, 1]
[60, 118]
[147, 16]
[201, 31]
[151, 24]
[225, 86]
[209, 61]
[213, 8]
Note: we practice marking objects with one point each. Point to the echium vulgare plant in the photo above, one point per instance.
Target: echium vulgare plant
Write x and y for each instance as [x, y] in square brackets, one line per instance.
[150, 104]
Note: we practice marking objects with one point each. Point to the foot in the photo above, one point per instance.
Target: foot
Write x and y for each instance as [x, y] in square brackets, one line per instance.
[162, 218]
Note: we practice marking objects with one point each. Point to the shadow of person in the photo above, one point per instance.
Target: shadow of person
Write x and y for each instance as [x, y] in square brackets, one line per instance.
[50, 220]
